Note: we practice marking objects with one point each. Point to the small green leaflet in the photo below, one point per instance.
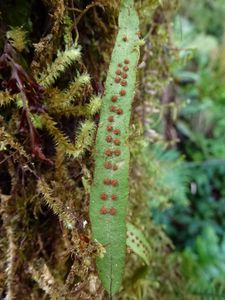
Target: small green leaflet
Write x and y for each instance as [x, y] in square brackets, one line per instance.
[138, 243]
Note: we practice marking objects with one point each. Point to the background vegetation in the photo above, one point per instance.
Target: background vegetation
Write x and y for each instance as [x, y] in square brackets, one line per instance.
[195, 220]
[51, 82]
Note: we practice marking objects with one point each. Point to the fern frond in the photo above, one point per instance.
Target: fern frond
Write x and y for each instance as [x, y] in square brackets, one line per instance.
[55, 204]
[63, 61]
[6, 98]
[112, 155]
[17, 37]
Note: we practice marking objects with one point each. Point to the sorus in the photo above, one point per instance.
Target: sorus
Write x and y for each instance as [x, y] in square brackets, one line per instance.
[107, 181]
[107, 165]
[108, 139]
[114, 98]
[104, 196]
[117, 80]
[112, 211]
[116, 142]
[108, 152]
[110, 119]
[119, 111]
[112, 108]
[103, 210]
[122, 93]
[114, 167]
[114, 197]
[116, 131]
[109, 128]
[114, 182]
[117, 152]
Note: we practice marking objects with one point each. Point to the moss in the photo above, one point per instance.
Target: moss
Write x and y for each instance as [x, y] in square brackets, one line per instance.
[47, 138]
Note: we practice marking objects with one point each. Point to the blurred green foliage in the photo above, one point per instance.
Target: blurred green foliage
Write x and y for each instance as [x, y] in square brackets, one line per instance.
[197, 226]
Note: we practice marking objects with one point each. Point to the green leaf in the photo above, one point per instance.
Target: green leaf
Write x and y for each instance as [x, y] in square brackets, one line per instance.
[137, 242]
[112, 153]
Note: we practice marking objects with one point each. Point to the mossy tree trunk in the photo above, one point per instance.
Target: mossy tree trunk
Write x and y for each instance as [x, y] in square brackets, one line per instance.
[54, 60]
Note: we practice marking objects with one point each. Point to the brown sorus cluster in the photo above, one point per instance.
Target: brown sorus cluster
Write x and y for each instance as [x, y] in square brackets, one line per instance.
[117, 152]
[112, 211]
[108, 152]
[107, 165]
[110, 119]
[120, 77]
[114, 182]
[117, 142]
[123, 83]
[114, 167]
[103, 210]
[122, 93]
[109, 138]
[116, 131]
[114, 197]
[112, 108]
[109, 128]
[107, 181]
[114, 98]
[104, 196]
[117, 79]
